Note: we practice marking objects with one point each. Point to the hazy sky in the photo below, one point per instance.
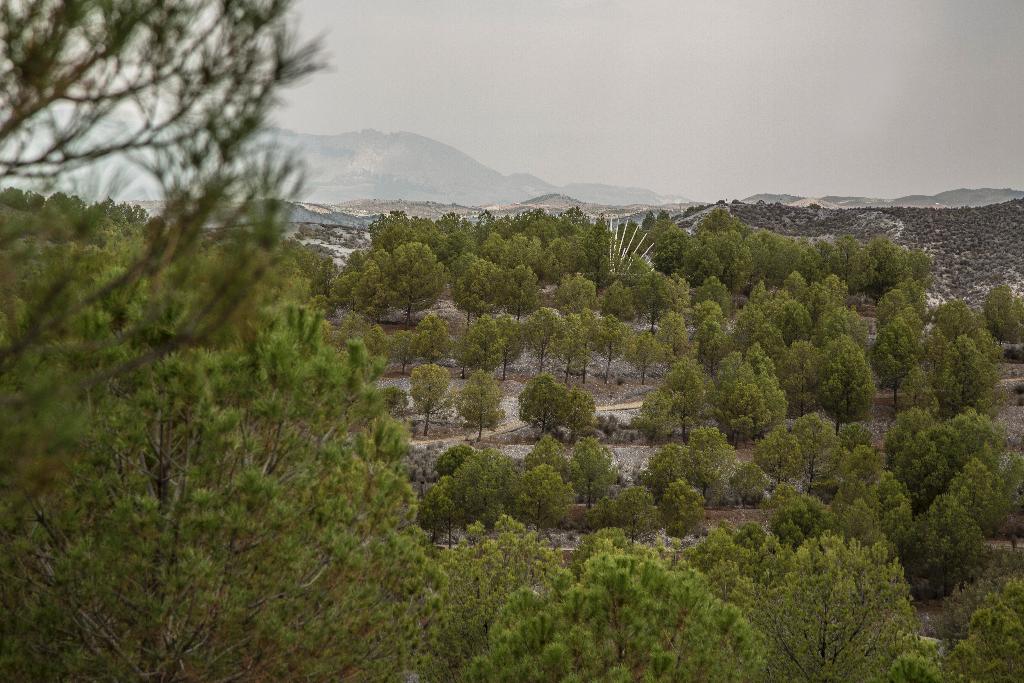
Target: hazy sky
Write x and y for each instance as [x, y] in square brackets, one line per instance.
[706, 98]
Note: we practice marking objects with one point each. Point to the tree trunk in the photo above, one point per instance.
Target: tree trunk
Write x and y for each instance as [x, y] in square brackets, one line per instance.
[504, 367]
[426, 423]
[607, 369]
[480, 432]
[408, 313]
[895, 401]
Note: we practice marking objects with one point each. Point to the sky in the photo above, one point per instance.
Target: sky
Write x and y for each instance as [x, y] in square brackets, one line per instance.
[704, 98]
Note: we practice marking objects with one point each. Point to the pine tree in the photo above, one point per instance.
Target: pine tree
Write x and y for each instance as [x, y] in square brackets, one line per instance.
[842, 613]
[414, 277]
[591, 469]
[429, 391]
[665, 625]
[847, 387]
[479, 402]
[539, 332]
[681, 508]
[542, 498]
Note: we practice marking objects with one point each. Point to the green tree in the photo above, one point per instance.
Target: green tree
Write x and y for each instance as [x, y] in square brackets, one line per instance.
[509, 343]
[572, 344]
[1004, 314]
[275, 486]
[992, 650]
[452, 458]
[710, 460]
[837, 323]
[618, 301]
[965, 376]
[355, 326]
[926, 454]
[432, 341]
[437, 512]
[984, 495]
[688, 387]
[576, 294]
[712, 289]
[906, 299]
[633, 511]
[479, 347]
[666, 465]
[483, 487]
[482, 575]
[918, 392]
[610, 340]
[818, 450]
[799, 373]
[591, 470]
[847, 387]
[681, 508]
[778, 454]
[542, 497]
[402, 348]
[673, 335]
[430, 393]
[479, 402]
[477, 289]
[595, 248]
[913, 668]
[547, 451]
[144, 91]
[842, 613]
[896, 352]
[797, 517]
[748, 483]
[948, 545]
[747, 401]
[518, 291]
[710, 336]
[665, 625]
[642, 351]
[547, 405]
[414, 277]
[655, 294]
[539, 332]
[655, 419]
[541, 402]
[578, 413]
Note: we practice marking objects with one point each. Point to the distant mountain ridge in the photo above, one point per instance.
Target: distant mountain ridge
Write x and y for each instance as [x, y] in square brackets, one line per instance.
[369, 164]
[950, 199]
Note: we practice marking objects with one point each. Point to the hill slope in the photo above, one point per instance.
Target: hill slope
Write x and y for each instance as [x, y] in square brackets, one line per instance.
[949, 199]
[973, 248]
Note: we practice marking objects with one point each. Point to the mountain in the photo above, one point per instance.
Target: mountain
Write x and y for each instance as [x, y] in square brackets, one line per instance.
[369, 164]
[950, 199]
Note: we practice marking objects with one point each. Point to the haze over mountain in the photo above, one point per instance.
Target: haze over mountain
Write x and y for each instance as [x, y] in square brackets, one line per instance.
[369, 164]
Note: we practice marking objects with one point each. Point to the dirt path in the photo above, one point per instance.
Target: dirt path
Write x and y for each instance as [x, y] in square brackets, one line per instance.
[514, 425]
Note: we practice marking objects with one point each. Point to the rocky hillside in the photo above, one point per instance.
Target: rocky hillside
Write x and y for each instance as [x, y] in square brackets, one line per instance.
[943, 200]
[973, 248]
